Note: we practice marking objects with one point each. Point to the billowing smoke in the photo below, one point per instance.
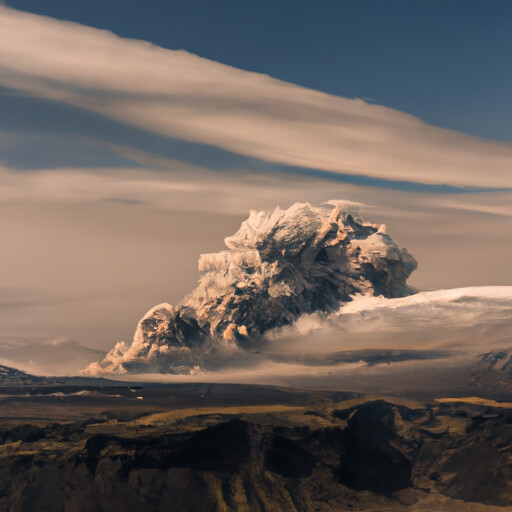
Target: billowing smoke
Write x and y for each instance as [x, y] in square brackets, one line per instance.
[278, 266]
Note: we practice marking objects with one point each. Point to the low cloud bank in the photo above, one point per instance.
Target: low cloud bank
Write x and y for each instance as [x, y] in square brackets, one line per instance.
[47, 357]
[448, 323]
[429, 343]
[371, 343]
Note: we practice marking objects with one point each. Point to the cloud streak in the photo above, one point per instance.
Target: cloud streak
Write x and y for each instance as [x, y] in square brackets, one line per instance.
[180, 95]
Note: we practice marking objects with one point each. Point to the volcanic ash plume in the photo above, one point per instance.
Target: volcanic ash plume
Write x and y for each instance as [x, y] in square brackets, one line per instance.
[278, 266]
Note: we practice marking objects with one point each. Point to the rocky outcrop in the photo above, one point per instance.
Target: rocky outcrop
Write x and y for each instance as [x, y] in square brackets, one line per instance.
[371, 455]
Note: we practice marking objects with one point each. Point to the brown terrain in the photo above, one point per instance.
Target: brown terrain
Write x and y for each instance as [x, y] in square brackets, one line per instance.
[94, 445]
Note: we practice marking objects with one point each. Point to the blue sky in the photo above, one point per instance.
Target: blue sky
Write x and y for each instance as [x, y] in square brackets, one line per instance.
[444, 61]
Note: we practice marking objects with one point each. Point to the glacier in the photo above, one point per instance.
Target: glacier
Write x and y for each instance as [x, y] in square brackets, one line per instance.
[278, 266]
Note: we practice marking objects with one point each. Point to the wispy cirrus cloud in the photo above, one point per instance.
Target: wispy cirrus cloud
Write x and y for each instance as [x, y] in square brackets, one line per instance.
[180, 95]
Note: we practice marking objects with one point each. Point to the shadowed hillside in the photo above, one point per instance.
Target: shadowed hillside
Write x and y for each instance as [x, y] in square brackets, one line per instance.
[240, 448]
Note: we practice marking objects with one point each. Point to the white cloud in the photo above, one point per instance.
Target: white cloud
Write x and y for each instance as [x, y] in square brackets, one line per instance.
[181, 95]
[467, 320]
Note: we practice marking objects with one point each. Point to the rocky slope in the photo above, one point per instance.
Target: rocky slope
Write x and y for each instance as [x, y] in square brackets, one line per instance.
[278, 266]
[12, 376]
[361, 454]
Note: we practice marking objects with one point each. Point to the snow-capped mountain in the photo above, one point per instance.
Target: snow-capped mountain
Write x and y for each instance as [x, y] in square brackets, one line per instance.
[278, 266]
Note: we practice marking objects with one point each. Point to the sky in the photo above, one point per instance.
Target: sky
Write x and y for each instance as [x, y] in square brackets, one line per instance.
[140, 135]
[443, 61]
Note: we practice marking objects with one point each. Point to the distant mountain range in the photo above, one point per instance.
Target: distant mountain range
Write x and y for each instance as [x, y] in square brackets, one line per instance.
[13, 377]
